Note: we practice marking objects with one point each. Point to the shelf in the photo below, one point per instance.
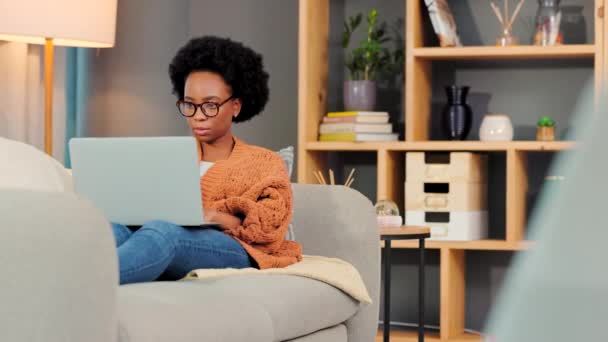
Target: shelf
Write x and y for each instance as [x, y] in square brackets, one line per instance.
[348, 146]
[479, 245]
[407, 336]
[513, 52]
[539, 146]
[531, 146]
[412, 336]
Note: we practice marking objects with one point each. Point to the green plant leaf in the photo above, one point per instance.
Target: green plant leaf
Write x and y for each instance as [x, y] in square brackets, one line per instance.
[355, 21]
[345, 39]
[372, 16]
[371, 56]
[546, 121]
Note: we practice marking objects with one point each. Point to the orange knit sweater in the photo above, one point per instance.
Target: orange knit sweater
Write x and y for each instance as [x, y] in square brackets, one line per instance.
[253, 184]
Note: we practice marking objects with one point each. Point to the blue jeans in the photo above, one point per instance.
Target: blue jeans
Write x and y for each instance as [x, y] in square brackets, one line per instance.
[164, 250]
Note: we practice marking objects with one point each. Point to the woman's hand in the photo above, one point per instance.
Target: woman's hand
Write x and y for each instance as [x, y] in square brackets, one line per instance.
[226, 221]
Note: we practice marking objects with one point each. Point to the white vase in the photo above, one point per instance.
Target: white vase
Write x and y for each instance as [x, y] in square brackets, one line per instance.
[496, 127]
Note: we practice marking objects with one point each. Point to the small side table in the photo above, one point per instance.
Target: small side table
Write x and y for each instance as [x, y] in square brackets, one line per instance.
[403, 233]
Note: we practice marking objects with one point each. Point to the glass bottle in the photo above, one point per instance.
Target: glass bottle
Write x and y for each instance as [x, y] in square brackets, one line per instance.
[548, 20]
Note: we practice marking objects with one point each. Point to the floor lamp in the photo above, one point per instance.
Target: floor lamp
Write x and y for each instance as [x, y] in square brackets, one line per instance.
[77, 23]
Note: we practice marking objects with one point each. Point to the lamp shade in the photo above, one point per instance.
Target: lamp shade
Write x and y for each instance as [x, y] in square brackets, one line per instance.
[83, 23]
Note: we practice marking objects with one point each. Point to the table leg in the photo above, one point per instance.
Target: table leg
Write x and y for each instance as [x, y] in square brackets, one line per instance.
[421, 291]
[387, 290]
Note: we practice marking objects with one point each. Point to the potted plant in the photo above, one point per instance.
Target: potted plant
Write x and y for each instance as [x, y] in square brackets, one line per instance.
[545, 129]
[366, 61]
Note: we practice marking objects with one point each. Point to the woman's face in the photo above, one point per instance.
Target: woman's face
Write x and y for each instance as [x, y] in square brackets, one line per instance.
[204, 86]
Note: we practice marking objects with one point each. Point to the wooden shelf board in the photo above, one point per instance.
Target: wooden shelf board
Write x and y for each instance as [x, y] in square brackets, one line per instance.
[405, 230]
[408, 335]
[346, 146]
[539, 146]
[481, 245]
[513, 52]
[412, 336]
[467, 337]
[442, 146]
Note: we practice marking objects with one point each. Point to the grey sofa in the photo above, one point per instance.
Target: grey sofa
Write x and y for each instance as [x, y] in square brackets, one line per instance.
[59, 280]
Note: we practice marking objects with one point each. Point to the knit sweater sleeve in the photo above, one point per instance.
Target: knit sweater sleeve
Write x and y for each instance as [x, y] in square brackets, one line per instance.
[265, 208]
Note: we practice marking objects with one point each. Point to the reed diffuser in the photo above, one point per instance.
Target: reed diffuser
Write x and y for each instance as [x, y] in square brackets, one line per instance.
[506, 22]
[332, 180]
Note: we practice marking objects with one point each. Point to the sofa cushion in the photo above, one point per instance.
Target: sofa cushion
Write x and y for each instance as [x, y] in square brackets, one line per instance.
[333, 334]
[26, 167]
[181, 312]
[288, 156]
[236, 308]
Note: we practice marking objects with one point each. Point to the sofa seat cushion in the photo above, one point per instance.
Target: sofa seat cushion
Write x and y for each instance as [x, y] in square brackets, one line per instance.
[236, 308]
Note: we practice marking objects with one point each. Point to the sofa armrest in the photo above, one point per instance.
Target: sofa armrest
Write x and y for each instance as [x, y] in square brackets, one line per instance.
[59, 269]
[336, 221]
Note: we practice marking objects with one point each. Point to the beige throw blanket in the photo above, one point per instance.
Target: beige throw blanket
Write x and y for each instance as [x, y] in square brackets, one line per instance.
[335, 272]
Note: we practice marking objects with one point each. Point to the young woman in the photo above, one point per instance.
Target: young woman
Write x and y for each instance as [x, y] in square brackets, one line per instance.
[245, 188]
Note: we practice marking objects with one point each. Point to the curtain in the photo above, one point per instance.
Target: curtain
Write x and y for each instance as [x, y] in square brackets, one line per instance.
[77, 92]
[22, 95]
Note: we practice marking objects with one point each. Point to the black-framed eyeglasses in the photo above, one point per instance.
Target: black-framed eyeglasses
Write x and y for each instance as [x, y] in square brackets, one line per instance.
[209, 108]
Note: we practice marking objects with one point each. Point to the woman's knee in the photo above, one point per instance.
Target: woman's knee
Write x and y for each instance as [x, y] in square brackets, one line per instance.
[121, 233]
[167, 229]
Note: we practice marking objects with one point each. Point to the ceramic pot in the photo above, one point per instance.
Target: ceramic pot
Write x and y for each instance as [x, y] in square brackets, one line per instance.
[545, 133]
[496, 127]
[359, 95]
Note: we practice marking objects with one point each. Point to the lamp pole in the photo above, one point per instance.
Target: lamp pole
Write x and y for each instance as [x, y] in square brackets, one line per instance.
[48, 96]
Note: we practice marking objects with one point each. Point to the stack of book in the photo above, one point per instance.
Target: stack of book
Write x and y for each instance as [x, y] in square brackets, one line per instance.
[356, 127]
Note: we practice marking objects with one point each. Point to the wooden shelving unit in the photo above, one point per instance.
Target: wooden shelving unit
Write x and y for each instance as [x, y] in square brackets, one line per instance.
[477, 245]
[511, 53]
[390, 157]
[410, 336]
[443, 146]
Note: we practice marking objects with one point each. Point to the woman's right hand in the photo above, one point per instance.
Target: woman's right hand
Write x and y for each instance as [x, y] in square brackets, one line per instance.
[226, 221]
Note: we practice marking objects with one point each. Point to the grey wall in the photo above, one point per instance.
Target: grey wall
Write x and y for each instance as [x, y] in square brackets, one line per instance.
[132, 91]
[131, 88]
[270, 27]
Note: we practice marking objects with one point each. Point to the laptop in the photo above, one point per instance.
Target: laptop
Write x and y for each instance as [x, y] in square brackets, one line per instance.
[136, 180]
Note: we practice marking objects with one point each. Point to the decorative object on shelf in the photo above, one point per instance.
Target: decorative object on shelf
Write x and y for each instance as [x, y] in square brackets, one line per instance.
[387, 214]
[448, 193]
[573, 26]
[332, 180]
[356, 127]
[365, 61]
[548, 21]
[545, 129]
[359, 94]
[457, 115]
[443, 22]
[496, 127]
[506, 22]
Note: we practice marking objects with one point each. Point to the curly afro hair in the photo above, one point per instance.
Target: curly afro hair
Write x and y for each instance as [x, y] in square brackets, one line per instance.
[240, 67]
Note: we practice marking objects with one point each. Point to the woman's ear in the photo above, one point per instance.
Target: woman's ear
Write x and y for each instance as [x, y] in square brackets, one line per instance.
[236, 107]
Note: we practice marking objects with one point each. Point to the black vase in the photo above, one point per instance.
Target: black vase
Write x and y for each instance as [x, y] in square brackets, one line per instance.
[457, 115]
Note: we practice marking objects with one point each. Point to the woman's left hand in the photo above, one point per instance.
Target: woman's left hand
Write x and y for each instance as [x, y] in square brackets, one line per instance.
[226, 221]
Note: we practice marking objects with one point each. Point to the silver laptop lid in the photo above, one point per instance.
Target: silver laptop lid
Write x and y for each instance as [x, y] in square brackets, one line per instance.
[135, 180]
